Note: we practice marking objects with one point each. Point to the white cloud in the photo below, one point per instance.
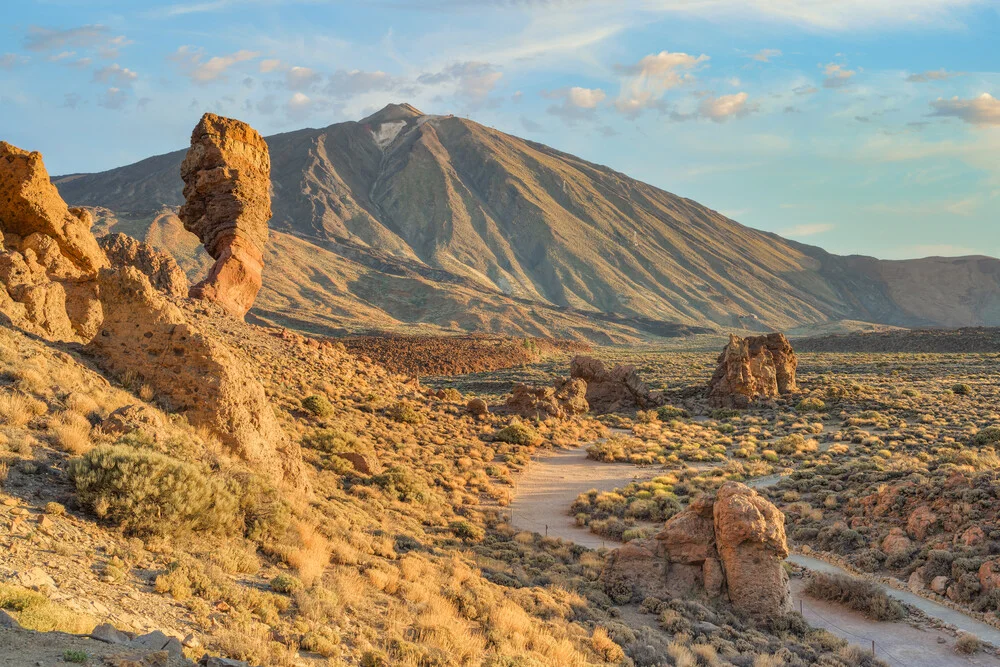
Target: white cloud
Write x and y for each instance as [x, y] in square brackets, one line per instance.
[115, 74]
[983, 110]
[269, 65]
[193, 64]
[299, 106]
[837, 76]
[651, 77]
[113, 98]
[965, 208]
[808, 229]
[473, 80]
[301, 78]
[576, 103]
[932, 75]
[765, 55]
[344, 84]
[827, 15]
[724, 107]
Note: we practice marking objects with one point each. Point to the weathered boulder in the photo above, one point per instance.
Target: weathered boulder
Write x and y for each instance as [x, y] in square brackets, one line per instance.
[731, 544]
[565, 399]
[48, 256]
[366, 464]
[129, 418]
[896, 542]
[617, 390]
[227, 179]
[750, 538]
[989, 575]
[161, 269]
[196, 374]
[753, 368]
[477, 407]
[921, 522]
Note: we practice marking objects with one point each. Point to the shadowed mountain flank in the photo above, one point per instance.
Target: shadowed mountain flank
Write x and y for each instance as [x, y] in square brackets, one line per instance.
[405, 218]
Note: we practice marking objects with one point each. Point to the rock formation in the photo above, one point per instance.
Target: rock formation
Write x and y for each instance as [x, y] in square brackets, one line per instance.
[731, 545]
[146, 334]
[227, 204]
[565, 399]
[616, 390]
[48, 256]
[753, 368]
[161, 269]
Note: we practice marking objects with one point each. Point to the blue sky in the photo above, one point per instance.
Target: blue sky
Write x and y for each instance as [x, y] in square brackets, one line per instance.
[862, 126]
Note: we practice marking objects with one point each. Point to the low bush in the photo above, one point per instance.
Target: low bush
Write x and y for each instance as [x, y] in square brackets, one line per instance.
[858, 594]
[317, 405]
[147, 493]
[517, 434]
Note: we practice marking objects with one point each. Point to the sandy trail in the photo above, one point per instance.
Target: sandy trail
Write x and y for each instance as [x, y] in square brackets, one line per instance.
[544, 493]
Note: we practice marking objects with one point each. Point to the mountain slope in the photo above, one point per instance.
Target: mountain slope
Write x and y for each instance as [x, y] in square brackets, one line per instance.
[479, 213]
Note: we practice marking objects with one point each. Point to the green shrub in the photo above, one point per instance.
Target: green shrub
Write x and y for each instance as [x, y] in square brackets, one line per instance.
[286, 583]
[404, 413]
[967, 644]
[402, 484]
[75, 656]
[724, 413]
[317, 405]
[517, 434]
[858, 594]
[811, 405]
[961, 389]
[146, 493]
[987, 436]
[468, 532]
[669, 412]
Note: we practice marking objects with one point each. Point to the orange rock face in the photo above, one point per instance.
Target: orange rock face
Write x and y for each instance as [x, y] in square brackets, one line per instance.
[161, 269]
[753, 368]
[565, 399]
[732, 543]
[48, 256]
[227, 180]
[616, 390]
[145, 333]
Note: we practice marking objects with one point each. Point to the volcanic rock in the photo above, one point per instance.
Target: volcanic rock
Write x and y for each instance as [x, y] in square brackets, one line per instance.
[227, 205]
[617, 390]
[48, 256]
[730, 544]
[753, 368]
[161, 268]
[565, 399]
[750, 538]
[196, 374]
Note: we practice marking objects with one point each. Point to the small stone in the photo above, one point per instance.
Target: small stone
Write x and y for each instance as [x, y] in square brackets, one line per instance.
[9, 622]
[158, 641]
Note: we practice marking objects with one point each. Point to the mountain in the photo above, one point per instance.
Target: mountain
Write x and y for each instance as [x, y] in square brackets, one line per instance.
[408, 220]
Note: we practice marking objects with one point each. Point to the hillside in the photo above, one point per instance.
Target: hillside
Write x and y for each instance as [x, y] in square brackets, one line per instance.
[408, 221]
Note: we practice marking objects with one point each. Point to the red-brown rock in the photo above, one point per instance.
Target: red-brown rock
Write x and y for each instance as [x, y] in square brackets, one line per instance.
[227, 204]
[161, 269]
[48, 256]
[565, 399]
[620, 389]
[751, 369]
[921, 522]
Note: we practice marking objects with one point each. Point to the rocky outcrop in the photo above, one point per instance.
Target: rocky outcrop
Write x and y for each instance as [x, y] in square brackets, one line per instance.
[617, 390]
[146, 334]
[750, 539]
[48, 256]
[565, 399]
[227, 204]
[730, 545]
[161, 269]
[751, 369]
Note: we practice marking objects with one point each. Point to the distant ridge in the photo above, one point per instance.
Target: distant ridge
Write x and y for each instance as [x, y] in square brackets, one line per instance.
[409, 220]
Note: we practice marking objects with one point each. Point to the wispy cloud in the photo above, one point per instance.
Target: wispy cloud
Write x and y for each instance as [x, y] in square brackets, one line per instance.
[982, 110]
[808, 229]
[932, 75]
[765, 55]
[655, 74]
[115, 74]
[837, 76]
[193, 64]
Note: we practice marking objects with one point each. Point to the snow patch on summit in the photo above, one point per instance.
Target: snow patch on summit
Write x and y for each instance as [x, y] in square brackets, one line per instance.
[385, 133]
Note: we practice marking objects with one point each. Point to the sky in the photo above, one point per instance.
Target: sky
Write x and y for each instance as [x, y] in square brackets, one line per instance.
[861, 126]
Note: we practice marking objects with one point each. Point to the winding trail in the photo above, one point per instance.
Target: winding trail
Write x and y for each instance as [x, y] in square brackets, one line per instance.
[544, 493]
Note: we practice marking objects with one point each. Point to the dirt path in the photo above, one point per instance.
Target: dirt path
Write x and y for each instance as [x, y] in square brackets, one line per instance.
[896, 643]
[543, 496]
